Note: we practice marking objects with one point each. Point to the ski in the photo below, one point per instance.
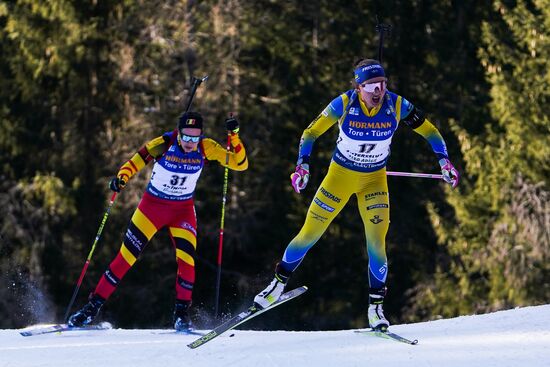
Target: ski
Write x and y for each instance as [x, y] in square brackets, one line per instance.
[244, 316]
[388, 335]
[58, 328]
[187, 332]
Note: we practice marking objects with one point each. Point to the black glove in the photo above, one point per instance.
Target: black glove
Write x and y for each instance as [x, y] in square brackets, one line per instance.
[232, 125]
[117, 184]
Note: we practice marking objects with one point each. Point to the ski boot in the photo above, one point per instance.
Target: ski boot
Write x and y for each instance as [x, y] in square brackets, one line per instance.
[88, 313]
[274, 290]
[377, 320]
[182, 321]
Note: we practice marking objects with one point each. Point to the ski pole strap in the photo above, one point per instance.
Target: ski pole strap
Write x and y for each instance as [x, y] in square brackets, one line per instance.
[413, 174]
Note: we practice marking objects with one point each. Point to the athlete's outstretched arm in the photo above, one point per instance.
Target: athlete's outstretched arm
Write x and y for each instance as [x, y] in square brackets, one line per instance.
[237, 157]
[420, 124]
[320, 125]
[151, 150]
[416, 119]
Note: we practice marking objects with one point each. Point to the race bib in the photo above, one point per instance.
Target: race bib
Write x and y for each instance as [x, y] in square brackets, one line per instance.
[363, 152]
[177, 185]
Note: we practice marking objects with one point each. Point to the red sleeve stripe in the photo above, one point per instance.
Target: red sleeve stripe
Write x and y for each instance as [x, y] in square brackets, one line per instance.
[238, 148]
[125, 168]
[133, 166]
[144, 154]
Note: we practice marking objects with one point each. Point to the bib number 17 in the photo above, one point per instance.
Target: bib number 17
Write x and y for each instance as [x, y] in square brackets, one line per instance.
[366, 148]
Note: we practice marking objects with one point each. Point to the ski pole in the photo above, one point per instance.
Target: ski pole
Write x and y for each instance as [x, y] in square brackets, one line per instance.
[83, 272]
[196, 83]
[412, 174]
[224, 198]
[382, 28]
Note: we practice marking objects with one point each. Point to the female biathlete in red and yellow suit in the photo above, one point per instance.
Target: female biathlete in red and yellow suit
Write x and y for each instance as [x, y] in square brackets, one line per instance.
[367, 116]
[167, 202]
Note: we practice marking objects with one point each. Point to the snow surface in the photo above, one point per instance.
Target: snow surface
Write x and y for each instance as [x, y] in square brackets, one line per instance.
[518, 337]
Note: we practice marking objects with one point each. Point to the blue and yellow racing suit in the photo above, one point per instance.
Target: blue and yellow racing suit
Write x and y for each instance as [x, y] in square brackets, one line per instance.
[358, 167]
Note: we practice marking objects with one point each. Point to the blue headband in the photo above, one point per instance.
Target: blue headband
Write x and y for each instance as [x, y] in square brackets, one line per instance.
[368, 72]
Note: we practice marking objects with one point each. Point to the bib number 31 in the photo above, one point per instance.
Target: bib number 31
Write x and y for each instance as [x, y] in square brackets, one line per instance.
[178, 180]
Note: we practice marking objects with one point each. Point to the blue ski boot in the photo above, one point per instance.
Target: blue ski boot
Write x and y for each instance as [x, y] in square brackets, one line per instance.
[182, 321]
[88, 313]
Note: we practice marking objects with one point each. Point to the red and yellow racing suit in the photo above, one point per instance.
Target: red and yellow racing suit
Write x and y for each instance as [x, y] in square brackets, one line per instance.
[168, 202]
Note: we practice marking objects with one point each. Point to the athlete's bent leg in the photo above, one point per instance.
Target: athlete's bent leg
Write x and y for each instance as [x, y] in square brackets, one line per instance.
[330, 199]
[140, 230]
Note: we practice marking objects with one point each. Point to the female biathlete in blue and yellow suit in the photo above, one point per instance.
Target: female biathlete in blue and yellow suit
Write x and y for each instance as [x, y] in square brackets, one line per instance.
[367, 117]
[167, 202]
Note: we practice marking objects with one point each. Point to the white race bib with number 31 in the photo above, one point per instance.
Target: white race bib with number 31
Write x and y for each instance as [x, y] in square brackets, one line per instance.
[175, 184]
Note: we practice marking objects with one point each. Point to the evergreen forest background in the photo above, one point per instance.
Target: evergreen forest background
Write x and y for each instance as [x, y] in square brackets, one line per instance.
[84, 84]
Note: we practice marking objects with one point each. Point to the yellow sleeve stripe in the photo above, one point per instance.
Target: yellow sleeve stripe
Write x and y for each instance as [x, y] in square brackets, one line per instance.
[131, 167]
[137, 162]
[398, 108]
[144, 224]
[426, 128]
[127, 255]
[185, 234]
[319, 126]
[156, 146]
[183, 256]
[345, 100]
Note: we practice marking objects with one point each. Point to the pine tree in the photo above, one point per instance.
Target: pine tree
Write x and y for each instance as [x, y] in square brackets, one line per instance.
[56, 80]
[498, 242]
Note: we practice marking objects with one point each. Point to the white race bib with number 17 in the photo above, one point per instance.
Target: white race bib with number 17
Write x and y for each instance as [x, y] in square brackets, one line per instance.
[363, 151]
